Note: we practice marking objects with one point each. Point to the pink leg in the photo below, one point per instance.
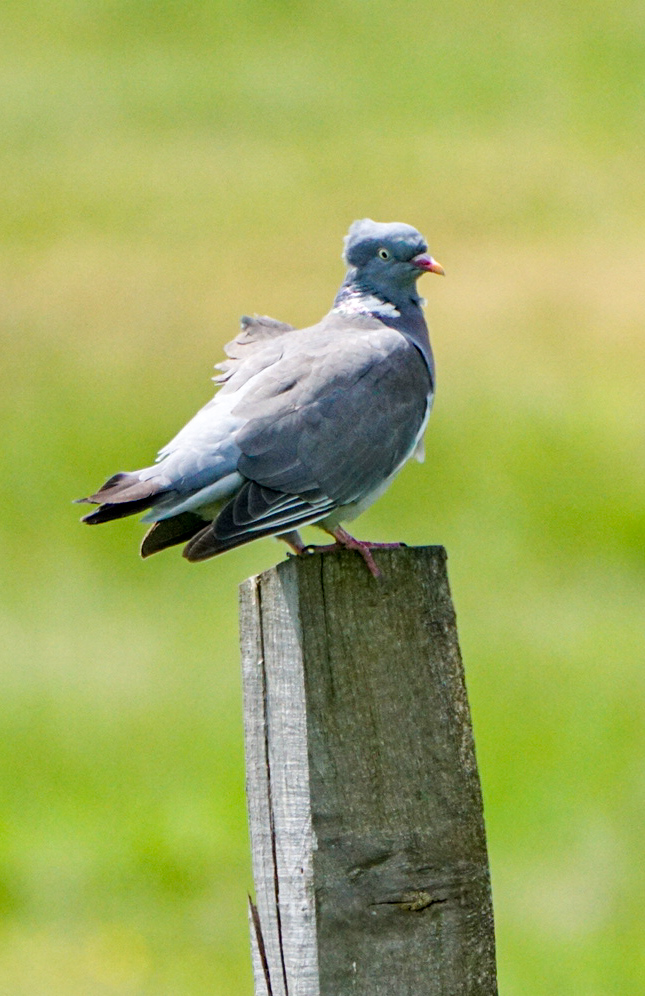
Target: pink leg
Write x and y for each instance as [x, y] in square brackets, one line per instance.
[293, 540]
[347, 542]
[343, 542]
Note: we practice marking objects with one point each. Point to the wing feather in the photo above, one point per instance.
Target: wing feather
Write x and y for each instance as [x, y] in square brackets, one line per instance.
[349, 417]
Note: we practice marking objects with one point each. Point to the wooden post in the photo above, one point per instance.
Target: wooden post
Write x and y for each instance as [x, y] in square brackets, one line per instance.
[367, 832]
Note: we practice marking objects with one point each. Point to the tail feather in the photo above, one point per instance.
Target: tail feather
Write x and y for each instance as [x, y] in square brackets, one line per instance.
[122, 494]
[169, 532]
[123, 487]
[107, 512]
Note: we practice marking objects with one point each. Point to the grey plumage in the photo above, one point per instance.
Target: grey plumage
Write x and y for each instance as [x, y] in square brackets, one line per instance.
[308, 425]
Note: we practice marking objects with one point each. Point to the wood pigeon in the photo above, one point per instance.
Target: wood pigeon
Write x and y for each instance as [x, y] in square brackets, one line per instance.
[308, 425]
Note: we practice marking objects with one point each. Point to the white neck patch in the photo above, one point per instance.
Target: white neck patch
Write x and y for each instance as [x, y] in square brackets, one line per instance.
[361, 304]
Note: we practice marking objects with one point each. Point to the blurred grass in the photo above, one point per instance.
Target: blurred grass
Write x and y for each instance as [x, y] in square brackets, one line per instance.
[168, 166]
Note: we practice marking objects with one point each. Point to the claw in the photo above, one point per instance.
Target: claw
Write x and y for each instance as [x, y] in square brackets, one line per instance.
[322, 548]
[361, 547]
[343, 542]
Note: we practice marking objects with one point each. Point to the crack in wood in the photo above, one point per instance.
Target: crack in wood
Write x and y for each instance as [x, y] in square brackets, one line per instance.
[413, 902]
[262, 951]
[274, 845]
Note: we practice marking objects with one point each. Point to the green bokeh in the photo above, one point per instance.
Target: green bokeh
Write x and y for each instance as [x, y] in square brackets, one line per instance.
[168, 166]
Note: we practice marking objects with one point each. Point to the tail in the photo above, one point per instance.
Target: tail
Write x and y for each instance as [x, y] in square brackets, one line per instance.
[121, 495]
[170, 532]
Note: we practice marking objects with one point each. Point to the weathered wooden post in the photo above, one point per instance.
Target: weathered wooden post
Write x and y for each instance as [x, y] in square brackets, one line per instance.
[367, 831]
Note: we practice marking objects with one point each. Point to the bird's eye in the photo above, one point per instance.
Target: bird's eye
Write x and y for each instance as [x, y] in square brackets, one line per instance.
[384, 254]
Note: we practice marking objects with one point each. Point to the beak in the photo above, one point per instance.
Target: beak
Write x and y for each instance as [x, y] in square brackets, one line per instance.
[425, 262]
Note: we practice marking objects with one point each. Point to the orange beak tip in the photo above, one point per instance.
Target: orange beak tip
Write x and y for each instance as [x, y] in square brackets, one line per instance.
[426, 263]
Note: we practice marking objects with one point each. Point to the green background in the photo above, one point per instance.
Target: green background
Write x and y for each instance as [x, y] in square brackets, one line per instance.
[168, 166]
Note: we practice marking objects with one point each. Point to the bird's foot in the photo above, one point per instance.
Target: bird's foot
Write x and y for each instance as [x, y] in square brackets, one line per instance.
[300, 549]
[293, 539]
[357, 545]
[322, 548]
[362, 547]
[344, 541]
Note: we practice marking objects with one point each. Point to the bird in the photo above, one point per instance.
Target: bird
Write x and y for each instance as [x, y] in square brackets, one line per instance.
[307, 426]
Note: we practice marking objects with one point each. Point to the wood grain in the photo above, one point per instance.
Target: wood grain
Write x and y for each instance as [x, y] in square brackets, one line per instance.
[367, 831]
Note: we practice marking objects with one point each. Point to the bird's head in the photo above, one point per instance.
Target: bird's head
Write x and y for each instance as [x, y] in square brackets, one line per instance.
[387, 258]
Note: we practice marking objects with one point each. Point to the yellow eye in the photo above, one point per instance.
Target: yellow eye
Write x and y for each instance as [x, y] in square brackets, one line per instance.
[384, 254]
